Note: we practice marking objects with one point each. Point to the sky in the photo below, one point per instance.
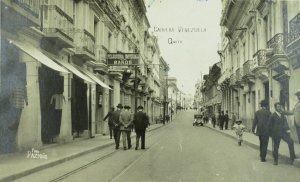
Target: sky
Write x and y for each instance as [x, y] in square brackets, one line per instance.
[189, 54]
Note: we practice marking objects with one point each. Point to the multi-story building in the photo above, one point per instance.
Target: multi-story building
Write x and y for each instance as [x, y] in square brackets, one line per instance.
[259, 55]
[163, 76]
[54, 55]
[211, 90]
[173, 95]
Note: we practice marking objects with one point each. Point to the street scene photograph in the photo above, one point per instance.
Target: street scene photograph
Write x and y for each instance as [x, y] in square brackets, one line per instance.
[150, 90]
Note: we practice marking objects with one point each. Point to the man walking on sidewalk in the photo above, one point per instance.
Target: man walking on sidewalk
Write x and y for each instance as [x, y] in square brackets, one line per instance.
[280, 130]
[141, 122]
[110, 121]
[222, 120]
[226, 119]
[115, 118]
[126, 122]
[261, 125]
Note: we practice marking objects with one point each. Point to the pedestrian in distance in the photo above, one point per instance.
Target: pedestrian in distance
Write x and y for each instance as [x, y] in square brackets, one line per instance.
[222, 119]
[239, 130]
[226, 119]
[110, 122]
[126, 121]
[167, 118]
[280, 130]
[141, 122]
[233, 120]
[261, 126]
[116, 124]
[213, 120]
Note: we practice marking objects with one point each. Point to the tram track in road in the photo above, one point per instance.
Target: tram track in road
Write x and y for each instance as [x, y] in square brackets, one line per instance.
[103, 157]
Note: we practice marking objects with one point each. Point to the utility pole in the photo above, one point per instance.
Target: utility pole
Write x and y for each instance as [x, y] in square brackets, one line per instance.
[135, 88]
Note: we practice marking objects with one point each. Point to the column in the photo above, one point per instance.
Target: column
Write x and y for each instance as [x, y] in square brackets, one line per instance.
[29, 132]
[65, 134]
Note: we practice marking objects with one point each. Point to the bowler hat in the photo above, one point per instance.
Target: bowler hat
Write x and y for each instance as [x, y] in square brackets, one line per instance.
[140, 107]
[298, 92]
[238, 121]
[126, 107]
[119, 106]
[264, 103]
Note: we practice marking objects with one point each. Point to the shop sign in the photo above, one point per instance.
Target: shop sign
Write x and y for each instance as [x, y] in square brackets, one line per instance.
[122, 59]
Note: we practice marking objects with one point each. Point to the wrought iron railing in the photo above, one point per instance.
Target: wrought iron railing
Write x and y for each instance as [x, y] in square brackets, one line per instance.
[260, 58]
[56, 20]
[88, 42]
[232, 79]
[294, 28]
[32, 6]
[239, 74]
[247, 66]
[277, 43]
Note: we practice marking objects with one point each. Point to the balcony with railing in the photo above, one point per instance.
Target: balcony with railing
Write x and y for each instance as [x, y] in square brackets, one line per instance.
[239, 74]
[259, 59]
[294, 34]
[58, 26]
[32, 6]
[247, 66]
[233, 79]
[85, 47]
[277, 44]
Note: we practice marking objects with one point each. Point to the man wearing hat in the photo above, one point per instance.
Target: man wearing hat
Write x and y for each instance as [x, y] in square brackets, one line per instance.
[126, 119]
[261, 125]
[141, 122]
[116, 124]
[279, 129]
[296, 114]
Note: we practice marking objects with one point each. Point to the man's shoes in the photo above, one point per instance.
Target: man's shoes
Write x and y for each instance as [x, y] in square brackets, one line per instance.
[117, 148]
[143, 148]
[129, 147]
[263, 160]
[125, 148]
[275, 163]
[136, 148]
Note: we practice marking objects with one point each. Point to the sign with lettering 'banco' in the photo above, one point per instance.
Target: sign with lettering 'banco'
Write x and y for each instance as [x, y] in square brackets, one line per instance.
[122, 59]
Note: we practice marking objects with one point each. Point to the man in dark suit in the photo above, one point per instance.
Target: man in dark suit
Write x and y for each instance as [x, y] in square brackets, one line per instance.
[226, 119]
[115, 117]
[222, 120]
[261, 124]
[110, 122]
[141, 122]
[280, 130]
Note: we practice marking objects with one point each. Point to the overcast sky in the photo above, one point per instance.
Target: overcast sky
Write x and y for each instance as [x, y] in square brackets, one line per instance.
[196, 51]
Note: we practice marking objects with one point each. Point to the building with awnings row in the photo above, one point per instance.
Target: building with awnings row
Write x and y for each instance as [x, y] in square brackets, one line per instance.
[55, 83]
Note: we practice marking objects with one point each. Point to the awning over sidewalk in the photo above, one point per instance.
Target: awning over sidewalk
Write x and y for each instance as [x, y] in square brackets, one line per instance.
[74, 70]
[38, 55]
[94, 77]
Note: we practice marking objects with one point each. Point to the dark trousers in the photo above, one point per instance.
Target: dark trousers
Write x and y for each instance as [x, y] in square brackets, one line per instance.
[140, 134]
[110, 131]
[263, 145]
[298, 132]
[128, 138]
[276, 142]
[221, 124]
[226, 124]
[117, 134]
[214, 123]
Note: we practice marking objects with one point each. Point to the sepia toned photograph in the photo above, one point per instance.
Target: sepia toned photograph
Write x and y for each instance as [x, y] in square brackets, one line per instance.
[150, 91]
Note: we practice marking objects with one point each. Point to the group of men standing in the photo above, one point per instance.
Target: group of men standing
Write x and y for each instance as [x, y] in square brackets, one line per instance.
[275, 125]
[122, 122]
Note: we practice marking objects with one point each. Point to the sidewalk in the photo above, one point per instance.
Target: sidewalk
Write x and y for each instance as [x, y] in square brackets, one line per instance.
[13, 166]
[252, 140]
